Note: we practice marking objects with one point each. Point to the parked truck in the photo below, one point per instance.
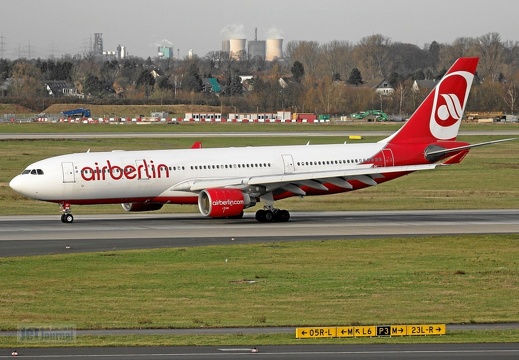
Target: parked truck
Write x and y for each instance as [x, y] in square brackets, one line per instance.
[371, 115]
[83, 113]
[507, 118]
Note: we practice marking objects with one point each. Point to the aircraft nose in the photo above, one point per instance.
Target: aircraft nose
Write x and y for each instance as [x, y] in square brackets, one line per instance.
[16, 184]
[20, 185]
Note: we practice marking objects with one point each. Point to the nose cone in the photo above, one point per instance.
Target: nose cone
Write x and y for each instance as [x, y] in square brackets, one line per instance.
[16, 184]
[25, 185]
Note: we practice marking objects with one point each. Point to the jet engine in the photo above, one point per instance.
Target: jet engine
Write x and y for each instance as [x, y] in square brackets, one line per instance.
[219, 203]
[141, 206]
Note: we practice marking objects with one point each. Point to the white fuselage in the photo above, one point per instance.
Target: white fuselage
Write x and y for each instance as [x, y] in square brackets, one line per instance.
[127, 176]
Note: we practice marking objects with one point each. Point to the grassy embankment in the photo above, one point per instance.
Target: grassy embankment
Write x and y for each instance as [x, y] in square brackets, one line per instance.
[108, 111]
[444, 279]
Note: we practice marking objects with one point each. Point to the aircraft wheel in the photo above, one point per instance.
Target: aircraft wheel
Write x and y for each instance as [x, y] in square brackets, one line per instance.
[67, 218]
[269, 216]
[283, 216]
[260, 215]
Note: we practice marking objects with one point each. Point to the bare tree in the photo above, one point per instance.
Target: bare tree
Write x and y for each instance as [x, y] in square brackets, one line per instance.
[511, 92]
[401, 91]
[372, 56]
[306, 52]
[336, 59]
[26, 80]
[327, 95]
[461, 47]
[490, 51]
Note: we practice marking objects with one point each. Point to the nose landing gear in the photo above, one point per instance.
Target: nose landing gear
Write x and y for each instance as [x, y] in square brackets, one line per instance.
[66, 217]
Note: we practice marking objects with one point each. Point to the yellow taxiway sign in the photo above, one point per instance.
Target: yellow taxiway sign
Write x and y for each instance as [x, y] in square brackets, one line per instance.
[370, 331]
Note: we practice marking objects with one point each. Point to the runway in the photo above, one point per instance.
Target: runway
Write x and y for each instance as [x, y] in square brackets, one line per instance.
[374, 351]
[35, 235]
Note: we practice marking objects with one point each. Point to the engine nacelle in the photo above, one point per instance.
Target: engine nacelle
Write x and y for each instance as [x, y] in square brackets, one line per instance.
[141, 206]
[223, 202]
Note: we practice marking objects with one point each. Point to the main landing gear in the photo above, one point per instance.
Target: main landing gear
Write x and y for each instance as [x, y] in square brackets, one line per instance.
[66, 217]
[272, 215]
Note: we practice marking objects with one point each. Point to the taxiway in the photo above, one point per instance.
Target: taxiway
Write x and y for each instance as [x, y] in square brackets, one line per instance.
[34, 235]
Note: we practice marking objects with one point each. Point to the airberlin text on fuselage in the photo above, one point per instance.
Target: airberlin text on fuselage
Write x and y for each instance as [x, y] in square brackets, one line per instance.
[144, 170]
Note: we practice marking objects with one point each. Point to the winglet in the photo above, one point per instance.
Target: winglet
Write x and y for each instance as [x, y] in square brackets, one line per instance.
[197, 145]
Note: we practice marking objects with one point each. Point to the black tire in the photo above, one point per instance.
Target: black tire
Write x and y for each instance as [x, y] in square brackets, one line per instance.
[68, 218]
[269, 216]
[283, 215]
[260, 215]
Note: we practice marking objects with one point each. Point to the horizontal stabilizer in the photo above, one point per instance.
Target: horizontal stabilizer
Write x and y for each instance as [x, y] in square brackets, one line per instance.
[465, 147]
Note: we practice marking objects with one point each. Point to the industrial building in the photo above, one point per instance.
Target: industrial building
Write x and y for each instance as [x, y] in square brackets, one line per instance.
[270, 49]
[165, 52]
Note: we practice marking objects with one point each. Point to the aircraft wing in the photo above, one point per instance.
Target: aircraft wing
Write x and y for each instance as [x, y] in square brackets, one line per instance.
[365, 173]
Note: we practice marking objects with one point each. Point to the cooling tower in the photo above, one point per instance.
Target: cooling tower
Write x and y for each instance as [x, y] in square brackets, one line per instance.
[236, 47]
[274, 49]
[257, 48]
[226, 46]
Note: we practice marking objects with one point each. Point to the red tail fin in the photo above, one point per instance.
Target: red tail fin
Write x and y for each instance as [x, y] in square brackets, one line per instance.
[439, 116]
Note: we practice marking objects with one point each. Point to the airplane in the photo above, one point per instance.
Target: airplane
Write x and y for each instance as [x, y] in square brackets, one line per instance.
[225, 181]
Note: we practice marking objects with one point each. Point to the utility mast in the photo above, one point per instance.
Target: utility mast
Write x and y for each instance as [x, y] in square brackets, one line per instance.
[98, 44]
[2, 46]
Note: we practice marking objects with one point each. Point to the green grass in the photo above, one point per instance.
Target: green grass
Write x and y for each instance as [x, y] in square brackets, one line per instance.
[225, 127]
[489, 336]
[188, 127]
[448, 279]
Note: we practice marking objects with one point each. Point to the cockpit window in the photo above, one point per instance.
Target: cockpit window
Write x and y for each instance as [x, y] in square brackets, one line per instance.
[33, 172]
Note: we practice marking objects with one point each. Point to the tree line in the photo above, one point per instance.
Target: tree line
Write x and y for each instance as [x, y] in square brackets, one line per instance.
[321, 78]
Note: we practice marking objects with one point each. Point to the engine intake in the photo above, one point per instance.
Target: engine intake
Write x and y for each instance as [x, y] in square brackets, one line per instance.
[141, 206]
[218, 203]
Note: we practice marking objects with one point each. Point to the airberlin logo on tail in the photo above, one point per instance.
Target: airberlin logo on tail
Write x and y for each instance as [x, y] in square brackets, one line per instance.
[450, 98]
[452, 108]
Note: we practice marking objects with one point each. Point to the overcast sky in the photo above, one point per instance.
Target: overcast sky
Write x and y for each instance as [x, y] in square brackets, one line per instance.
[40, 28]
